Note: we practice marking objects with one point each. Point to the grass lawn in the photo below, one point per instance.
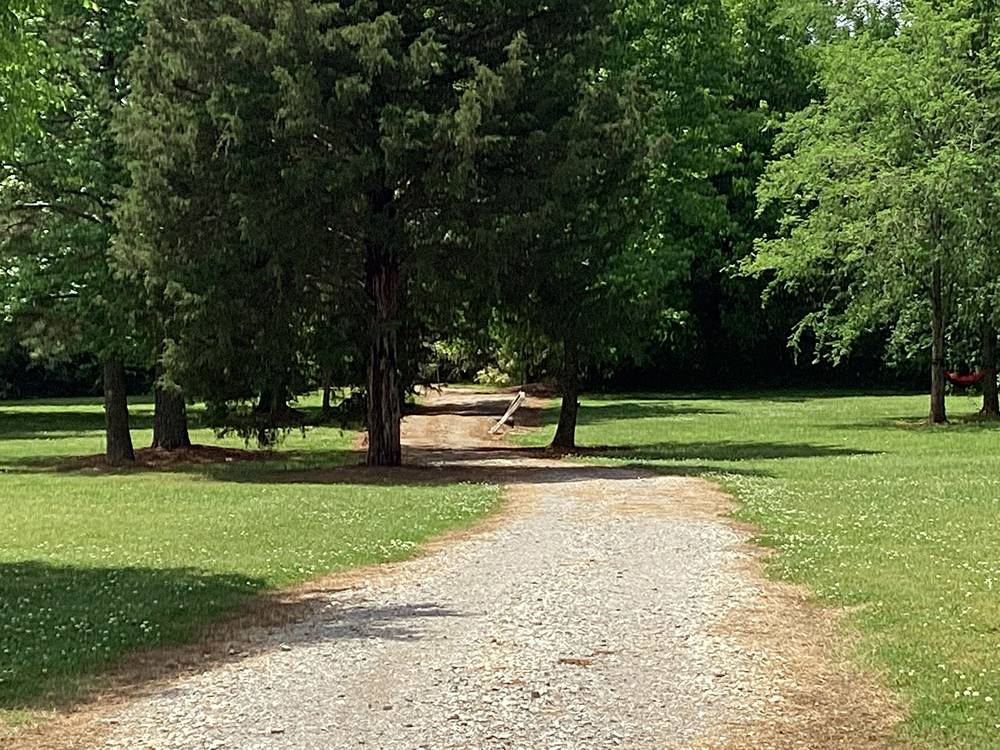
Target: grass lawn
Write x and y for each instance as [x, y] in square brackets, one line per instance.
[94, 565]
[868, 507]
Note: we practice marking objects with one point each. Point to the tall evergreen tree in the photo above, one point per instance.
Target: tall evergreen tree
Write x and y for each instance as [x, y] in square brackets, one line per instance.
[283, 151]
[623, 129]
[568, 197]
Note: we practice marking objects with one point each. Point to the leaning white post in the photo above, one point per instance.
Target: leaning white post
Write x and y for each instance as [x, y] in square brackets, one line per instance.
[518, 400]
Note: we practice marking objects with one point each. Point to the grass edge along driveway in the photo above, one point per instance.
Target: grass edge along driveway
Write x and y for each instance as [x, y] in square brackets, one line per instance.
[867, 506]
[97, 565]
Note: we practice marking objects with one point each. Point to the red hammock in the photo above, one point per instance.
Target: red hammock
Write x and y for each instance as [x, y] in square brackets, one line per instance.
[965, 380]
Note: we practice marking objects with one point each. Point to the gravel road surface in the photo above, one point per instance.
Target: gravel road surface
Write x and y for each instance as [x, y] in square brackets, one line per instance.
[592, 614]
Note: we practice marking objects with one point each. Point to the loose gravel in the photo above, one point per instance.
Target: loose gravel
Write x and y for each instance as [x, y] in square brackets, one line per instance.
[593, 616]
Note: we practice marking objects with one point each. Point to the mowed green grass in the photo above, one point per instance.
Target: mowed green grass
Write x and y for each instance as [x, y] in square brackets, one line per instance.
[94, 565]
[870, 508]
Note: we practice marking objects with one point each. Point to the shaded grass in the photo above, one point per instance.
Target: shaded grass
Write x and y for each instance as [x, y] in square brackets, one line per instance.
[95, 565]
[869, 507]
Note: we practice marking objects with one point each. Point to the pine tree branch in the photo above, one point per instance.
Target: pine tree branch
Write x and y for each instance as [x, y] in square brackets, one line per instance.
[96, 199]
[58, 208]
[17, 227]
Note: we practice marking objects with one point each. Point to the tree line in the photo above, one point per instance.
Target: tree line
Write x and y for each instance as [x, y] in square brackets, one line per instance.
[253, 199]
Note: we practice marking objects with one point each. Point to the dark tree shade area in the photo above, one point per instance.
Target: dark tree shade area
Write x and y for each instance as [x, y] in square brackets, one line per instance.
[239, 203]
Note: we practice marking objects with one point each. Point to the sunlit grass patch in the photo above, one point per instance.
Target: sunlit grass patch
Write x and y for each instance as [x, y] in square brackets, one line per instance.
[97, 564]
[869, 507]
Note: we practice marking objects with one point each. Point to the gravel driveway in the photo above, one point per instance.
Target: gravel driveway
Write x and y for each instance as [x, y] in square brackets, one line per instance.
[596, 614]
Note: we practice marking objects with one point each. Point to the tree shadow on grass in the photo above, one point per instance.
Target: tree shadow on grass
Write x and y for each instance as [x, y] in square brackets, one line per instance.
[211, 461]
[965, 423]
[721, 451]
[782, 396]
[591, 413]
[68, 629]
[26, 424]
[510, 465]
[446, 468]
[59, 624]
[422, 467]
[502, 464]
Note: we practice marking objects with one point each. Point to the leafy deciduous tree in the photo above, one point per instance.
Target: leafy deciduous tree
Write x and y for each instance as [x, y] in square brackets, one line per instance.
[878, 178]
[56, 189]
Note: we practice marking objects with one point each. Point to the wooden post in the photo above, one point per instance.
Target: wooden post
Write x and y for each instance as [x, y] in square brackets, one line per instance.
[514, 405]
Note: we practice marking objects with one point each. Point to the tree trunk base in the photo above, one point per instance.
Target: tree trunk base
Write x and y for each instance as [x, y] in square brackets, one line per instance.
[384, 402]
[118, 449]
[938, 411]
[327, 411]
[170, 425]
[991, 398]
[565, 437]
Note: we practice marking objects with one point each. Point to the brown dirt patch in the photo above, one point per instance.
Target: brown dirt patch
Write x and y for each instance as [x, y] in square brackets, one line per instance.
[820, 698]
[157, 458]
[692, 498]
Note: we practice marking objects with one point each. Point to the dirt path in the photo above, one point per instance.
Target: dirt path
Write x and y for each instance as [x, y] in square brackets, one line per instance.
[606, 608]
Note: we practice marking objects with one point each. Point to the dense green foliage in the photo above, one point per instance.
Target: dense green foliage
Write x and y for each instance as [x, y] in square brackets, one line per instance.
[284, 153]
[866, 505]
[59, 174]
[888, 181]
[311, 193]
[57, 185]
[23, 55]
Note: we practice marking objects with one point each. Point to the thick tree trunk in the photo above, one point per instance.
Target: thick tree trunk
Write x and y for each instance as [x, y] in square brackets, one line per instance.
[273, 404]
[170, 425]
[384, 283]
[938, 413]
[267, 402]
[118, 451]
[569, 383]
[384, 414]
[991, 400]
[327, 398]
[264, 401]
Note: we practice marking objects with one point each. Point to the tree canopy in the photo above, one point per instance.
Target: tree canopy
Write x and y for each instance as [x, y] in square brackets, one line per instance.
[882, 181]
[249, 201]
